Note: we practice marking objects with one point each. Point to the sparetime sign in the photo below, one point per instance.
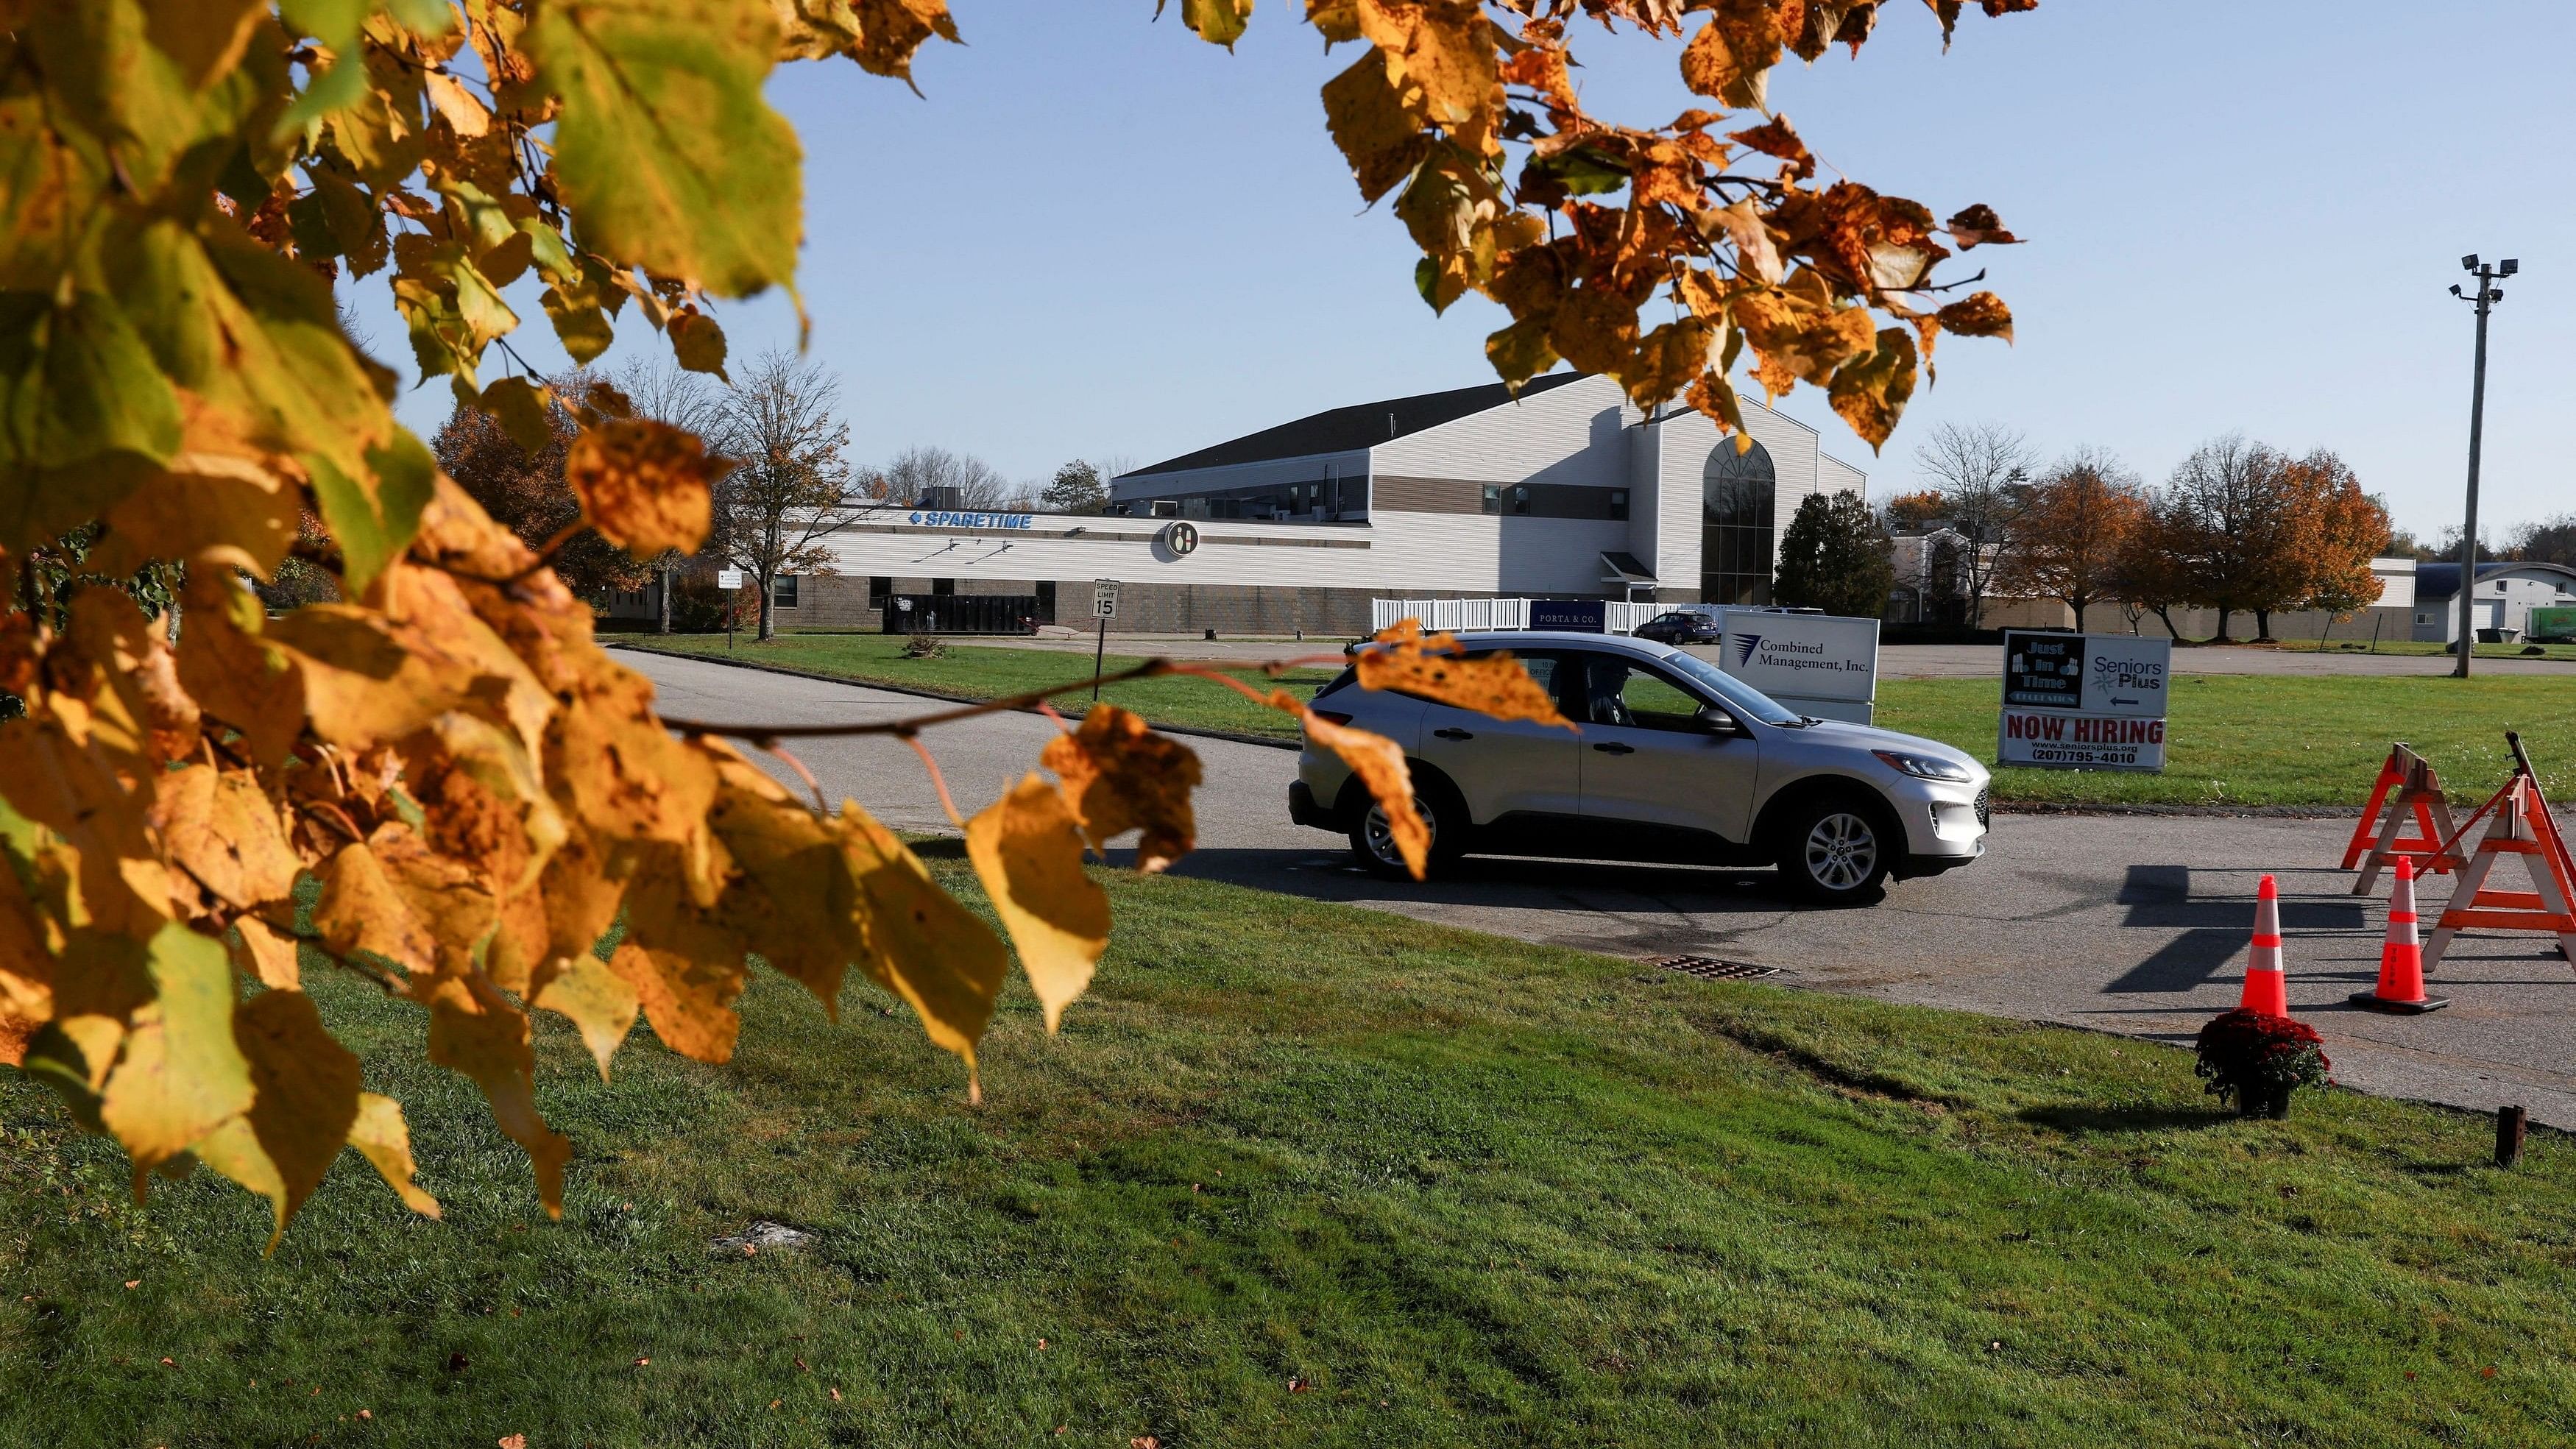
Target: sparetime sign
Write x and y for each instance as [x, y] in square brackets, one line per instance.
[2084, 701]
[928, 519]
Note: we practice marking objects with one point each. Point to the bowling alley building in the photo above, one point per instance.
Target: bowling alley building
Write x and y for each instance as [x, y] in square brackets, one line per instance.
[1567, 491]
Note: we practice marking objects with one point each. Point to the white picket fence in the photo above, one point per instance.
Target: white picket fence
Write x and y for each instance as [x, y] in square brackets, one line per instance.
[1453, 615]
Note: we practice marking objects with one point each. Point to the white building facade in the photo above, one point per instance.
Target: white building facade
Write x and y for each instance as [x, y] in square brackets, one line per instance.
[1566, 491]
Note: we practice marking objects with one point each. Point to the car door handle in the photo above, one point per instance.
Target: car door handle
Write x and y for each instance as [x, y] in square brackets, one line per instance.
[1453, 734]
[1616, 749]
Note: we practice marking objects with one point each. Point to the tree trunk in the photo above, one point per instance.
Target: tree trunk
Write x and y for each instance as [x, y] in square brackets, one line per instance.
[2221, 636]
[2262, 626]
[760, 600]
[2165, 612]
[666, 601]
[2079, 613]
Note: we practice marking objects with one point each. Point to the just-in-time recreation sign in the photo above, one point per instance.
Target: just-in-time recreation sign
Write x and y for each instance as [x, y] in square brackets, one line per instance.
[2084, 701]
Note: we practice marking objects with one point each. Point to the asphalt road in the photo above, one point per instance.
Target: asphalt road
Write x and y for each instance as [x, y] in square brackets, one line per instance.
[2130, 924]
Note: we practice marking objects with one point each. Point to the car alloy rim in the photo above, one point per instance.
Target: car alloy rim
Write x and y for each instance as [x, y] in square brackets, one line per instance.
[1841, 851]
[1381, 830]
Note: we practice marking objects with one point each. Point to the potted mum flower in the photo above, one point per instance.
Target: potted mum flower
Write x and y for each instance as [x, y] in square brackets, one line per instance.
[2259, 1059]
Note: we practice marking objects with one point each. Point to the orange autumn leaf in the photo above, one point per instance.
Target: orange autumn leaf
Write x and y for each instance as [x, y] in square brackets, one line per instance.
[1379, 764]
[1432, 666]
[1118, 775]
[646, 485]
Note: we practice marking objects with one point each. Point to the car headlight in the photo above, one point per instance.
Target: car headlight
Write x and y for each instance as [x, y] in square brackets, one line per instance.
[1924, 767]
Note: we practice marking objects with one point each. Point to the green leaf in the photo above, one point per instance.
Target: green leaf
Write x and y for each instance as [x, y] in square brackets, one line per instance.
[84, 414]
[52, 177]
[521, 407]
[343, 82]
[181, 1074]
[375, 513]
[665, 149]
[580, 325]
[698, 342]
[253, 334]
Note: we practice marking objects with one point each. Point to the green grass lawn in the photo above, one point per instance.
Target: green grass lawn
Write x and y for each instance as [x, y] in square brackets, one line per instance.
[990, 672]
[1303, 1174]
[2247, 739]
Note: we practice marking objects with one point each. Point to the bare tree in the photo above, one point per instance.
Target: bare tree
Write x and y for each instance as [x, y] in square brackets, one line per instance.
[667, 393]
[1982, 471]
[790, 486]
[2230, 498]
[978, 484]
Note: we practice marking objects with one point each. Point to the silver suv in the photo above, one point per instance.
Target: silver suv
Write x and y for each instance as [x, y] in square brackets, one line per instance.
[1676, 761]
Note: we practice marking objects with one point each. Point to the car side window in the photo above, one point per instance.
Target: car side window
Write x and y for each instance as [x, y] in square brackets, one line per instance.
[1543, 668]
[1617, 692]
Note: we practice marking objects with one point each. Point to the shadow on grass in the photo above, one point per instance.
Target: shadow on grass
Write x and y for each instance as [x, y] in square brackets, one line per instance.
[2084, 1117]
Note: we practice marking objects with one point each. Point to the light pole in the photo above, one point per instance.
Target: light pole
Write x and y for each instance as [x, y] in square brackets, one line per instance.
[2488, 295]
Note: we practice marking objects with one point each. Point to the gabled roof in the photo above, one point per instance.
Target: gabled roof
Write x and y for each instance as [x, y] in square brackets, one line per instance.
[1361, 425]
[2442, 580]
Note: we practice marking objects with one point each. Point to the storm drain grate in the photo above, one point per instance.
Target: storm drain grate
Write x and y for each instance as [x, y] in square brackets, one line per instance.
[1710, 968]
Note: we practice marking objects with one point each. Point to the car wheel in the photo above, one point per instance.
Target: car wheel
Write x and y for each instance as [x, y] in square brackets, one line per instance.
[1373, 837]
[1836, 851]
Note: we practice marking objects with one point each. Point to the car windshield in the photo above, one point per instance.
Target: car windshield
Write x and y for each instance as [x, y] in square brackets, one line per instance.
[1737, 695]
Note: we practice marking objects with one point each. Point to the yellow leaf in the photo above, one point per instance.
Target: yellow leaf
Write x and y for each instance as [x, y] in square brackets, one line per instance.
[304, 1100]
[601, 1003]
[1379, 762]
[922, 945]
[266, 954]
[181, 1074]
[1378, 136]
[687, 978]
[236, 674]
[1431, 666]
[643, 484]
[474, 1030]
[794, 902]
[1118, 776]
[1448, 51]
[360, 910]
[62, 765]
[381, 1137]
[1028, 853]
[457, 104]
[222, 829]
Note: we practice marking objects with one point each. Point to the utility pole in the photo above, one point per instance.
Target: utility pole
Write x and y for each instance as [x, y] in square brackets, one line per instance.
[2488, 295]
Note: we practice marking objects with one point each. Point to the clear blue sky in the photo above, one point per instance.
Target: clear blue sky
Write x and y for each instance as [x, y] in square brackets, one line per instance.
[1097, 236]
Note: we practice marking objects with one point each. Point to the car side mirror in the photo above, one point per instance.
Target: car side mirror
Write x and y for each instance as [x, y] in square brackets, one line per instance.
[1715, 721]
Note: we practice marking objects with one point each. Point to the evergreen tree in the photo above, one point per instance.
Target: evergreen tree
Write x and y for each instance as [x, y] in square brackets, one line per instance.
[1835, 557]
[1077, 487]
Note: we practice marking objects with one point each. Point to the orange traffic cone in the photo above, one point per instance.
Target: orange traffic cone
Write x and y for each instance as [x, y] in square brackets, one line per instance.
[2267, 989]
[2401, 960]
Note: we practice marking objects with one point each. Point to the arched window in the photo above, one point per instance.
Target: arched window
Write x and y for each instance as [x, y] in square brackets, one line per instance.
[1738, 491]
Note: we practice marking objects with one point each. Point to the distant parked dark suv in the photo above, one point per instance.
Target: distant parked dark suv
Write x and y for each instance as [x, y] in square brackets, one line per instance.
[1681, 626]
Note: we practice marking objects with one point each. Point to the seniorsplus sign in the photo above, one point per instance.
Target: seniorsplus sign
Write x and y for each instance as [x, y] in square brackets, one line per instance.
[2084, 701]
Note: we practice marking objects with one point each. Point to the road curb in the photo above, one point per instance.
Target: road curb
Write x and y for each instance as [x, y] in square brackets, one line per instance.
[1237, 737]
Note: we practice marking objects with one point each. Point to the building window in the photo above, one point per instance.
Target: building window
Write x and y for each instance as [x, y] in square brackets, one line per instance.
[880, 589]
[1520, 499]
[782, 591]
[1739, 494]
[1493, 498]
[942, 588]
[1618, 503]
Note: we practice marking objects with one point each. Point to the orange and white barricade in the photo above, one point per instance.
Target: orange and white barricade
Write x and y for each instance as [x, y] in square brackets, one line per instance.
[2378, 843]
[2523, 827]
